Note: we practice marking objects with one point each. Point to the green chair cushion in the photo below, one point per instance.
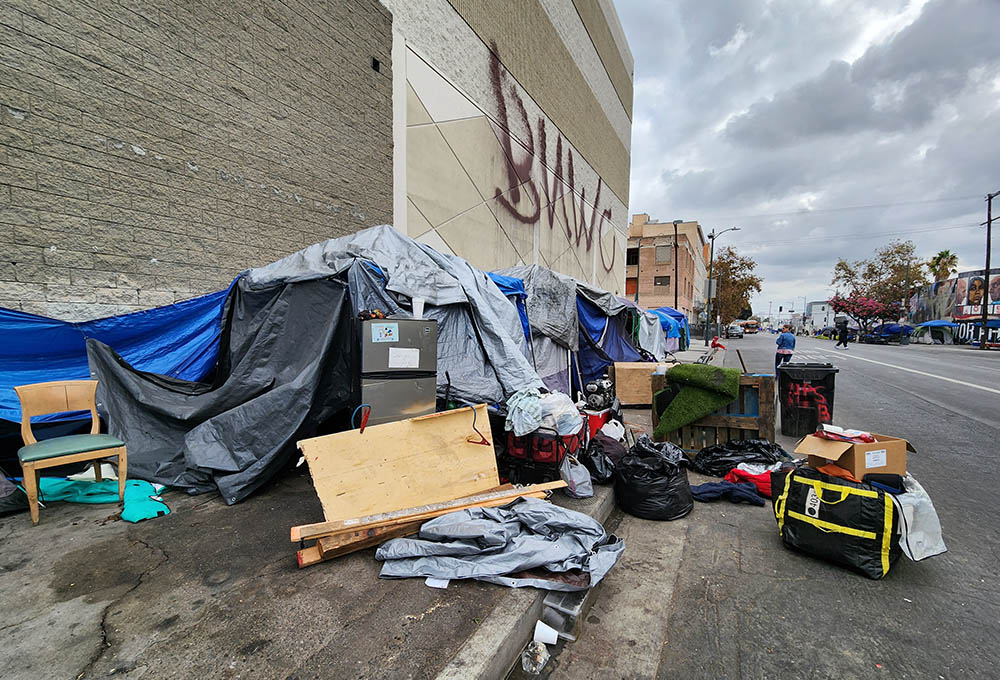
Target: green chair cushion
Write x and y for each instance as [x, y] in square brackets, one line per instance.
[64, 446]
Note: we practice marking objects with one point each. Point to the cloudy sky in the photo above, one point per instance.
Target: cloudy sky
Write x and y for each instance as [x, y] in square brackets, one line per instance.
[823, 129]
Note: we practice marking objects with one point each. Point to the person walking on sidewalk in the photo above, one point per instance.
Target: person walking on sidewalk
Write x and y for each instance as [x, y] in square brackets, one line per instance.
[786, 345]
[841, 334]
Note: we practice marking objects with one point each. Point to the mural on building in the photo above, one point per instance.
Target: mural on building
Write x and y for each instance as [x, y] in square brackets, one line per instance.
[499, 198]
[960, 299]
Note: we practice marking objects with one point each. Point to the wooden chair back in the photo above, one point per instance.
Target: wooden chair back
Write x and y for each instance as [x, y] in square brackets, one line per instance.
[41, 399]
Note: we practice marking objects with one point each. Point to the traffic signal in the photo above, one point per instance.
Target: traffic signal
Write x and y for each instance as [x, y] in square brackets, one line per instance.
[779, 309]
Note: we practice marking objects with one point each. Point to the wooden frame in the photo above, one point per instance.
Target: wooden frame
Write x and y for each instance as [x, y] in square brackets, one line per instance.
[59, 397]
[749, 416]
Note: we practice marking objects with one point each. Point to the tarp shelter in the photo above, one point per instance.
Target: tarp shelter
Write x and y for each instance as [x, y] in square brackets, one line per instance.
[680, 318]
[938, 332]
[283, 337]
[178, 341]
[577, 330]
[513, 290]
[671, 328]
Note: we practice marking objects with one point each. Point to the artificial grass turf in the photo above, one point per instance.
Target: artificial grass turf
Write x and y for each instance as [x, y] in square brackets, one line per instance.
[700, 390]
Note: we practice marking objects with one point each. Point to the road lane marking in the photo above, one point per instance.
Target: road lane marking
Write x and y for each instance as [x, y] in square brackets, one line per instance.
[929, 375]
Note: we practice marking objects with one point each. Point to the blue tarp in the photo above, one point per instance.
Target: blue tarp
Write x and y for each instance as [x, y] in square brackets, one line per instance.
[180, 340]
[513, 288]
[679, 317]
[602, 340]
[939, 323]
[670, 325]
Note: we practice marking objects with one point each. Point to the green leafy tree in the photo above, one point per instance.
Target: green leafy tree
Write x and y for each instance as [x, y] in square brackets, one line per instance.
[883, 277]
[737, 284]
[943, 265]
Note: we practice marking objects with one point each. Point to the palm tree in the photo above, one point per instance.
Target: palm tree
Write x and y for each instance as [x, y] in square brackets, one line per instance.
[943, 265]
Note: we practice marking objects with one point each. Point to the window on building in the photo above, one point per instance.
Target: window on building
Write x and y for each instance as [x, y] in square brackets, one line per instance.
[631, 256]
[631, 286]
[663, 253]
[661, 280]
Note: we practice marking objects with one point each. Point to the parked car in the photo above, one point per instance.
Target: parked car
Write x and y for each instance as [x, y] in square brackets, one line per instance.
[734, 330]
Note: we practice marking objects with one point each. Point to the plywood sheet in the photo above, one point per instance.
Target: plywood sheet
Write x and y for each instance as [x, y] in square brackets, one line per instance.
[400, 465]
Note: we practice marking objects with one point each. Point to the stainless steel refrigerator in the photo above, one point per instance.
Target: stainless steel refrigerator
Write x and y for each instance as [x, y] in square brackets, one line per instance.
[398, 368]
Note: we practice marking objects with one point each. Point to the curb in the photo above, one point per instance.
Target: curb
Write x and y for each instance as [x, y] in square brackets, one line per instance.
[496, 645]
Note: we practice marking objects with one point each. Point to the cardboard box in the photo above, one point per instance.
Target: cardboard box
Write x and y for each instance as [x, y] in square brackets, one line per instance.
[886, 455]
[633, 381]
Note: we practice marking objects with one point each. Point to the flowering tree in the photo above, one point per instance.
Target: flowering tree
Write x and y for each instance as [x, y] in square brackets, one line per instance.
[864, 310]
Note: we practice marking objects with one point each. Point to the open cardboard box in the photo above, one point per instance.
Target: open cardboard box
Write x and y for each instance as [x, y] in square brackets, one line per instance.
[886, 455]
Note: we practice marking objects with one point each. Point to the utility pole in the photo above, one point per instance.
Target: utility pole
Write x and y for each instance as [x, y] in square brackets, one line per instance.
[986, 277]
[769, 303]
[904, 338]
[676, 280]
[711, 259]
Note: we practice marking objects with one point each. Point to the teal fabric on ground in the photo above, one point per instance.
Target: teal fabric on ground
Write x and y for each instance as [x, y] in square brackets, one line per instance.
[64, 446]
[703, 390]
[138, 502]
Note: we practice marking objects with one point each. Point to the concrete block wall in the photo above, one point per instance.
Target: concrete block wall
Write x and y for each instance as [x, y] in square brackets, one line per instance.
[152, 149]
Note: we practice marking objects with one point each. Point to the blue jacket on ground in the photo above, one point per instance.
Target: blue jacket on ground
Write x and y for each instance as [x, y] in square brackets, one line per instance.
[786, 341]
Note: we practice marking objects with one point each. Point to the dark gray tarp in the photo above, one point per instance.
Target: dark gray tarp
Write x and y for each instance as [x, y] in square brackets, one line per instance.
[483, 348]
[527, 543]
[286, 365]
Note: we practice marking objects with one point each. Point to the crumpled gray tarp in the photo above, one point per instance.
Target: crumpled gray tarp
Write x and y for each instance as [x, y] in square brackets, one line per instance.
[481, 343]
[551, 303]
[919, 527]
[498, 544]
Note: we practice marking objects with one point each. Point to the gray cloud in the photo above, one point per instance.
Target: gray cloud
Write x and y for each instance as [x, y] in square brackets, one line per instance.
[802, 113]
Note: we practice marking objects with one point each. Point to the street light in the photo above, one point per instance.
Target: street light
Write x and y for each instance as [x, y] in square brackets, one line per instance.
[711, 258]
[676, 222]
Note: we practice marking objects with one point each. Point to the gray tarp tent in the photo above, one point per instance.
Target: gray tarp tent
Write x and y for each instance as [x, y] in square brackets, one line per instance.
[481, 344]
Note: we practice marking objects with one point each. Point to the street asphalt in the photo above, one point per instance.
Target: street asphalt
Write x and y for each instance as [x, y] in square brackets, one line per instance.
[722, 598]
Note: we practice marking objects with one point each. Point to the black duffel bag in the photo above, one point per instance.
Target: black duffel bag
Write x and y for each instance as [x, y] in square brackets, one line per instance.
[651, 481]
[846, 523]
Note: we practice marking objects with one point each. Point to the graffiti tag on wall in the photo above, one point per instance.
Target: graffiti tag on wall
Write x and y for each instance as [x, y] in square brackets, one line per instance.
[528, 172]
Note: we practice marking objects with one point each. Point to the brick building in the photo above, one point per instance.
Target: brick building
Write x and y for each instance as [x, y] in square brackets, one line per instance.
[149, 152]
[649, 269]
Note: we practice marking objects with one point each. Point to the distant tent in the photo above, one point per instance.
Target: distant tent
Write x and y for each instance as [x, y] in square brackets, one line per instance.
[939, 332]
[680, 318]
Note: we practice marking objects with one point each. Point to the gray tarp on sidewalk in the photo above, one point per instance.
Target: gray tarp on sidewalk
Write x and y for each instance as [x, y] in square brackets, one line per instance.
[481, 343]
[499, 544]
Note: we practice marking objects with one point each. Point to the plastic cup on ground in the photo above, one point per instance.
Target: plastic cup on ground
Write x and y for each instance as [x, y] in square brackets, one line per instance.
[545, 633]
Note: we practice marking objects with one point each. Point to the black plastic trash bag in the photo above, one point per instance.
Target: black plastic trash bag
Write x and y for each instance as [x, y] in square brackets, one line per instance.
[651, 482]
[719, 459]
[599, 457]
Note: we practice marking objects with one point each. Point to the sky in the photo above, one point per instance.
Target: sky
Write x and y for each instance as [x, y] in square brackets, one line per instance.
[821, 128]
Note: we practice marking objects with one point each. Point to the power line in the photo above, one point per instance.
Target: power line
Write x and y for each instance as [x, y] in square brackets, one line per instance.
[818, 211]
[865, 235]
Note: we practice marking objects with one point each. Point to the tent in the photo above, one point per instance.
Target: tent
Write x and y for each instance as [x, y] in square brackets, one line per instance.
[513, 290]
[212, 393]
[672, 329]
[938, 332]
[681, 318]
[578, 330]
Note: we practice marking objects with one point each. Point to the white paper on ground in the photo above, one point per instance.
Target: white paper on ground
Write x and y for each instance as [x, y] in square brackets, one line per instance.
[432, 582]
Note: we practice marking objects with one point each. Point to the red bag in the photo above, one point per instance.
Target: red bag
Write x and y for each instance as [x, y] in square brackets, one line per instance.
[762, 481]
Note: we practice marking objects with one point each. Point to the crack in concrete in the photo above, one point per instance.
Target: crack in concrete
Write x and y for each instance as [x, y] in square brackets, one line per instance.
[105, 643]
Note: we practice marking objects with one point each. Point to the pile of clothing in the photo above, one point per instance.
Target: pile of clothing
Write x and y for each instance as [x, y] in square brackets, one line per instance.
[745, 466]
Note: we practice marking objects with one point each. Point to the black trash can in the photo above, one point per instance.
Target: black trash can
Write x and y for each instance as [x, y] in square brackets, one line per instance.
[805, 396]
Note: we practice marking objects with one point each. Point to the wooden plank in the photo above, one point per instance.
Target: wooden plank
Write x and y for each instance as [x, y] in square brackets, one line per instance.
[633, 381]
[309, 556]
[765, 400]
[370, 536]
[403, 464]
[308, 531]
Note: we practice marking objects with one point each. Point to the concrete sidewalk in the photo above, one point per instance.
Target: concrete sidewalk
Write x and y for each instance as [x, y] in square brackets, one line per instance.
[213, 591]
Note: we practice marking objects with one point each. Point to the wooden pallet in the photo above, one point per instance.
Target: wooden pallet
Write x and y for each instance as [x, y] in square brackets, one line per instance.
[749, 416]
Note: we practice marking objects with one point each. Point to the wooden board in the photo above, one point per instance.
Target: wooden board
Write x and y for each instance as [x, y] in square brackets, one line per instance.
[749, 416]
[401, 465]
[632, 381]
[490, 499]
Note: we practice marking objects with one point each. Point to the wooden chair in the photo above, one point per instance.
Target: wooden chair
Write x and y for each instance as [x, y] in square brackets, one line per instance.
[58, 397]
